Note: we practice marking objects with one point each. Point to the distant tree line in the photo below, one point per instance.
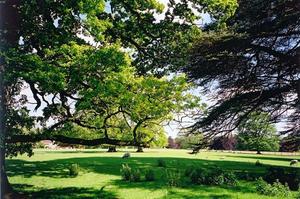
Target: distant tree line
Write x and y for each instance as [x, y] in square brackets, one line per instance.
[254, 133]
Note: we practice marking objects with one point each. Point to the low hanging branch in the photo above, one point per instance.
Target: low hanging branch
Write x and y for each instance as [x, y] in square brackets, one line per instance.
[69, 140]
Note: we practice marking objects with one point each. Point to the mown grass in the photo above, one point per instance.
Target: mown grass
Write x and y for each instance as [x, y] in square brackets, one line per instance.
[46, 174]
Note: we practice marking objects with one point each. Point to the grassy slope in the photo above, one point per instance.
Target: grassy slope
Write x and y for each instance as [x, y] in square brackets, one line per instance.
[45, 175]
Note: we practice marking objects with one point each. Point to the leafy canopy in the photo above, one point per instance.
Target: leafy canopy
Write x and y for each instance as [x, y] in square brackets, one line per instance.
[82, 62]
[256, 133]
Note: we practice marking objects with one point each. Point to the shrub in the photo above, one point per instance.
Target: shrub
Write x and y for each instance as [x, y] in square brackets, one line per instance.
[284, 175]
[257, 163]
[126, 172]
[215, 176]
[135, 175]
[189, 170]
[230, 178]
[216, 180]
[245, 175]
[150, 175]
[74, 170]
[275, 189]
[199, 176]
[161, 163]
[173, 178]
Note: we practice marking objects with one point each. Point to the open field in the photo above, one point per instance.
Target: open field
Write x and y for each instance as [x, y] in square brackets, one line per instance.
[45, 175]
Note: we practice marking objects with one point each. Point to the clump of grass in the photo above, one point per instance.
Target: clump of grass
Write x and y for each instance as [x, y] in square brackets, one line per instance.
[275, 189]
[214, 176]
[161, 163]
[150, 175]
[126, 172]
[74, 170]
[173, 178]
[136, 175]
[189, 170]
[298, 195]
[258, 163]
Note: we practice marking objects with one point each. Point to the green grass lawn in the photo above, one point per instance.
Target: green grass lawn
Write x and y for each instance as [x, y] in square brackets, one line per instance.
[45, 175]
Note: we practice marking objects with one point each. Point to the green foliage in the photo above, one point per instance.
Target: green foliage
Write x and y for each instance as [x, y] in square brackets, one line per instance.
[275, 189]
[199, 176]
[230, 178]
[258, 163]
[298, 195]
[129, 174]
[150, 175]
[135, 175]
[189, 170]
[288, 176]
[102, 169]
[174, 178]
[39, 145]
[215, 176]
[256, 133]
[189, 141]
[74, 170]
[126, 172]
[94, 55]
[246, 175]
[161, 163]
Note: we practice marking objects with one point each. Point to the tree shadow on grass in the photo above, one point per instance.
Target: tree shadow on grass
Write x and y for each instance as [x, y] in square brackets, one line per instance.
[182, 195]
[111, 166]
[261, 157]
[67, 192]
[58, 168]
[71, 151]
[186, 185]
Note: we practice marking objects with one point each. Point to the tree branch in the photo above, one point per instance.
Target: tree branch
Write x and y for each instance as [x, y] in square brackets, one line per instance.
[67, 140]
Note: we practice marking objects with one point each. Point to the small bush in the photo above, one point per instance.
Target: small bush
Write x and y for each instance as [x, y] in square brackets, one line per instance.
[216, 180]
[258, 164]
[215, 176]
[189, 170]
[199, 176]
[150, 175]
[74, 170]
[135, 175]
[230, 178]
[173, 178]
[161, 163]
[275, 189]
[245, 175]
[126, 172]
[290, 176]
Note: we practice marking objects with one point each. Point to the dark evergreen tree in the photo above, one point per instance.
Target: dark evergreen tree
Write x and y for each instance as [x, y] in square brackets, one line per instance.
[227, 142]
[252, 65]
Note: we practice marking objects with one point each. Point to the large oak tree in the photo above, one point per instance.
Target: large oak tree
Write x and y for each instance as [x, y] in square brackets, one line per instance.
[63, 50]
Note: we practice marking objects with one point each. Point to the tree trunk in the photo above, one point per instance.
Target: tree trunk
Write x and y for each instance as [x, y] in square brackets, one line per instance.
[140, 149]
[9, 31]
[6, 189]
[258, 152]
[112, 149]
